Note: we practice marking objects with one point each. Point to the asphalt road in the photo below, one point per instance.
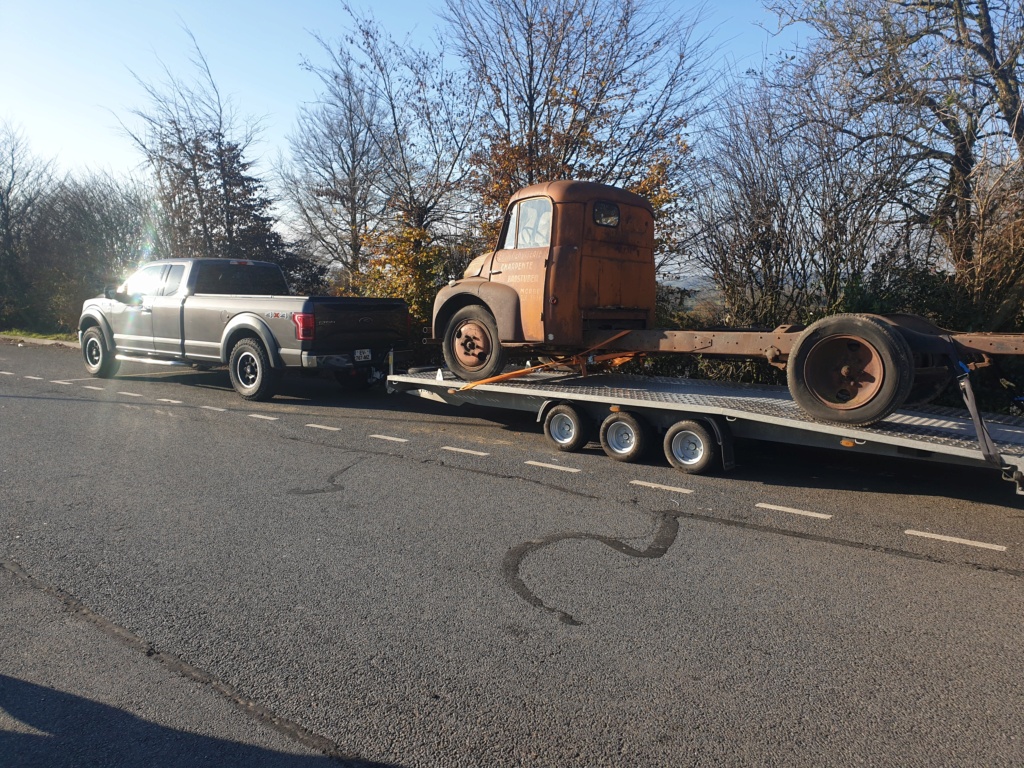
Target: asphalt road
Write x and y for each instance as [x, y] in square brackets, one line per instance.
[190, 579]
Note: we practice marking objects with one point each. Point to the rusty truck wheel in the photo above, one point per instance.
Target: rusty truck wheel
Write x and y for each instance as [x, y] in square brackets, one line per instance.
[850, 369]
[471, 346]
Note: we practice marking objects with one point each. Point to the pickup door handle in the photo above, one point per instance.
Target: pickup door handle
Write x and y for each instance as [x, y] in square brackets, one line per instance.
[495, 271]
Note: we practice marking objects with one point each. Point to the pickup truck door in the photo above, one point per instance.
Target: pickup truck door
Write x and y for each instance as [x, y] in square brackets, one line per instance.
[166, 313]
[131, 313]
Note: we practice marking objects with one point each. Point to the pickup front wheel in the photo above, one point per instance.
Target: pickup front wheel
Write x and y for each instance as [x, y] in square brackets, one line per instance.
[99, 358]
[250, 370]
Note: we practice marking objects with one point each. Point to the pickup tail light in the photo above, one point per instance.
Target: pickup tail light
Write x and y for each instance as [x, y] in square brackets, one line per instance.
[305, 325]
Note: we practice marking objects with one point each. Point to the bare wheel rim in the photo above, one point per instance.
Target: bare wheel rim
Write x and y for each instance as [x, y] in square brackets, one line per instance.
[620, 437]
[844, 372]
[247, 369]
[93, 352]
[563, 429]
[687, 447]
[472, 345]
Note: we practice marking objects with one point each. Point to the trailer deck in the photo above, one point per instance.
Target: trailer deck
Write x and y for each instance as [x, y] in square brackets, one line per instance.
[760, 412]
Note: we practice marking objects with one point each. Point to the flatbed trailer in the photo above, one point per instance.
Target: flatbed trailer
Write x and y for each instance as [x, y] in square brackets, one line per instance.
[695, 421]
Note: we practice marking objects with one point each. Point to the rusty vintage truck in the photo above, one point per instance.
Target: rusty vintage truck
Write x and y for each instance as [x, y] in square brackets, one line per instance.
[573, 272]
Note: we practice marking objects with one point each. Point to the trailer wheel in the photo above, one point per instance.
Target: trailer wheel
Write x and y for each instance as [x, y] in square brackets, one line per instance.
[689, 447]
[624, 437]
[850, 369]
[250, 371]
[567, 428]
[99, 358]
[471, 346]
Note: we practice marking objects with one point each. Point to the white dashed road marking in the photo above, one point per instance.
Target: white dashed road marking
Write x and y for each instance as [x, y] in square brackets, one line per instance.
[552, 466]
[261, 416]
[672, 488]
[35, 378]
[392, 439]
[95, 389]
[955, 540]
[321, 426]
[129, 394]
[463, 450]
[211, 408]
[791, 511]
[167, 400]
[6, 373]
[65, 383]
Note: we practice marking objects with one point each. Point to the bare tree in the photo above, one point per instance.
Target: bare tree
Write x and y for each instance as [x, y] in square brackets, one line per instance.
[794, 217]
[591, 89]
[940, 80]
[24, 182]
[331, 180]
[196, 146]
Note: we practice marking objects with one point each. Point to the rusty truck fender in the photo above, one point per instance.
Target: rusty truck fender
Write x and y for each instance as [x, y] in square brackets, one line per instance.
[502, 301]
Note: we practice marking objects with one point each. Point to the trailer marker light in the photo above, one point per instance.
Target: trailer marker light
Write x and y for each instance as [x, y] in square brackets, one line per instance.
[846, 443]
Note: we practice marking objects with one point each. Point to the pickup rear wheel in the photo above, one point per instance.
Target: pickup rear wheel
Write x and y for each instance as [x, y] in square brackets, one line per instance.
[250, 370]
[471, 346]
[99, 358]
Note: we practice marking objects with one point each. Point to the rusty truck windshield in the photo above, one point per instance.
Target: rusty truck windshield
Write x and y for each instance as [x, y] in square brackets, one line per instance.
[529, 224]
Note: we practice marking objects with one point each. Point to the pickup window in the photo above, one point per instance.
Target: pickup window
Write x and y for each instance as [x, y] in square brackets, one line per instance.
[247, 279]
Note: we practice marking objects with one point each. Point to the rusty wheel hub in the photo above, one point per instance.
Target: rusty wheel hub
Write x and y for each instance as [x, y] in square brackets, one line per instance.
[844, 372]
[472, 345]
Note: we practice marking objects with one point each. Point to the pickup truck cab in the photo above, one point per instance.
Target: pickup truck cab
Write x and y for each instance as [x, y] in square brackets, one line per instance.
[240, 314]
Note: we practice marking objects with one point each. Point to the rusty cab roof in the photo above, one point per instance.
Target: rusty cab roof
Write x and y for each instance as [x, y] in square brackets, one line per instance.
[568, 191]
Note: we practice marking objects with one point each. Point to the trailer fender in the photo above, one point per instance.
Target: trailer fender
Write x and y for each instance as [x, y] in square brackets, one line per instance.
[500, 300]
[723, 435]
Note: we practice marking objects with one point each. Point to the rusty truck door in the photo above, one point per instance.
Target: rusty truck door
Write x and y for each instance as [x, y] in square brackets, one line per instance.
[521, 262]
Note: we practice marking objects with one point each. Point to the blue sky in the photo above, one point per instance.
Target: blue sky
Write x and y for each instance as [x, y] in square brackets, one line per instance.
[64, 64]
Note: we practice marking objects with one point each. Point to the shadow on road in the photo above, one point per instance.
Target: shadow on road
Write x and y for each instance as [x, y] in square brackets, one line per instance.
[62, 729]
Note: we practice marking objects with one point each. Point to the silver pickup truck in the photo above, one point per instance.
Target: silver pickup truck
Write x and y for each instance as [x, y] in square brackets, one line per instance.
[240, 314]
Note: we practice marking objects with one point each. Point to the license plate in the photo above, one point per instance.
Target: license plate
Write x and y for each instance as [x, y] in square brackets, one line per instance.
[363, 355]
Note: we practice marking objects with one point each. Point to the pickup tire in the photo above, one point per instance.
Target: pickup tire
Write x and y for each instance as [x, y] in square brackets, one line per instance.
[99, 358]
[471, 345]
[250, 371]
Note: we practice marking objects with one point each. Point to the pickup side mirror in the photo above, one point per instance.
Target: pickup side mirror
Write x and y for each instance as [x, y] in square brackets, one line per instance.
[110, 291]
